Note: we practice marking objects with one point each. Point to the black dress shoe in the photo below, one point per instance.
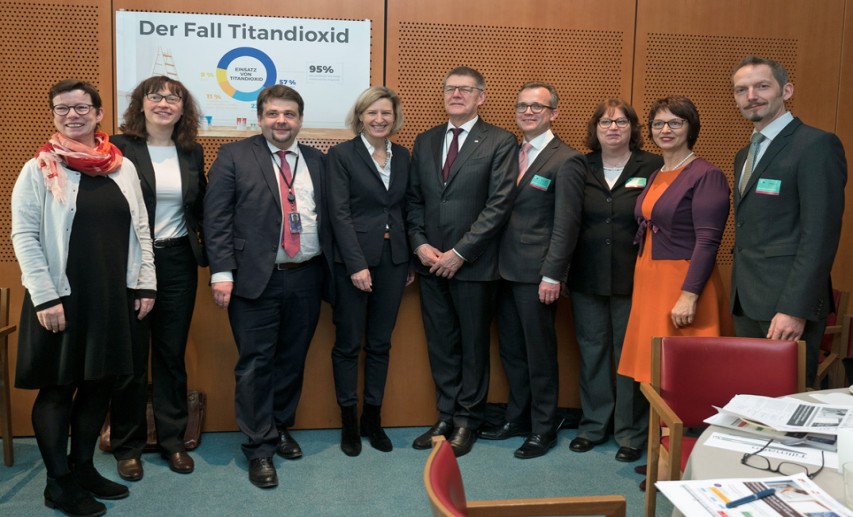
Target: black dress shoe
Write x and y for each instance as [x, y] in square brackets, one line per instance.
[424, 441]
[88, 478]
[287, 447]
[462, 440]
[536, 445]
[502, 432]
[628, 454]
[581, 444]
[262, 473]
[65, 495]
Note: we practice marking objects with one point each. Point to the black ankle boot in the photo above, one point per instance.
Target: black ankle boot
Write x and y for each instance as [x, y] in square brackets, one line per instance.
[88, 478]
[371, 427]
[65, 495]
[350, 440]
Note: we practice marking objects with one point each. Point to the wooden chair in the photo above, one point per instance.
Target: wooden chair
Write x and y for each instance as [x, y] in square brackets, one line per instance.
[833, 348]
[443, 483]
[846, 345]
[692, 374]
[5, 383]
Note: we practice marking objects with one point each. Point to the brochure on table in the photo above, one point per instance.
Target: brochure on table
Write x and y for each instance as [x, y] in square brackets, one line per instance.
[793, 496]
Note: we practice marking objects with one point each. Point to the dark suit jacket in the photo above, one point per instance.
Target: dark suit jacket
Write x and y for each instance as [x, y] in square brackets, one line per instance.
[468, 212]
[542, 231]
[193, 185]
[243, 212]
[360, 207]
[604, 257]
[785, 244]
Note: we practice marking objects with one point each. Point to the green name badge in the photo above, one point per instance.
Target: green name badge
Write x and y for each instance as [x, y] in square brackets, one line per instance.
[768, 187]
[635, 183]
[540, 183]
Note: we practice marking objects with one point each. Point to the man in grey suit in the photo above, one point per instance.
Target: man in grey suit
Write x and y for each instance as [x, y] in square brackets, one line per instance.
[268, 247]
[788, 199]
[535, 252]
[461, 182]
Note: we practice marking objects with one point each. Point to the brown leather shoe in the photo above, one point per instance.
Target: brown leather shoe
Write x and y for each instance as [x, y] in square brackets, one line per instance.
[130, 469]
[180, 462]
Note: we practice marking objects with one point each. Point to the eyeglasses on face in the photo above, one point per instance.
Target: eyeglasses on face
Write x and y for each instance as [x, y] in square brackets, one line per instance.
[785, 468]
[156, 97]
[521, 107]
[62, 109]
[676, 123]
[605, 123]
[467, 90]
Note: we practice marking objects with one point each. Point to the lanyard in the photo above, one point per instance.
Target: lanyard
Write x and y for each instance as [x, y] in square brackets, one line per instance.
[290, 195]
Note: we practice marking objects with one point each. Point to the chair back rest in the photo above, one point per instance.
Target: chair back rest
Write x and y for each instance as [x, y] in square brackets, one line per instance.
[840, 300]
[693, 374]
[847, 334]
[4, 306]
[443, 481]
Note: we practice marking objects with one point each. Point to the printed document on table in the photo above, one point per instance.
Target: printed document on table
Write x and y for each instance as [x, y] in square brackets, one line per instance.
[795, 496]
[788, 414]
[745, 444]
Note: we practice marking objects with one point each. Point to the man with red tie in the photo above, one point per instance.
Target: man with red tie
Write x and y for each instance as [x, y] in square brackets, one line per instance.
[460, 187]
[268, 250]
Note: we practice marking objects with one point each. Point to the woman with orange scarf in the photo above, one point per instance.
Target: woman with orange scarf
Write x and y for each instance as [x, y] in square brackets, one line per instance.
[80, 232]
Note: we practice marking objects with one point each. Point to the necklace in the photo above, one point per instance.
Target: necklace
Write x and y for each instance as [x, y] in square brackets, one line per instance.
[677, 165]
[616, 163]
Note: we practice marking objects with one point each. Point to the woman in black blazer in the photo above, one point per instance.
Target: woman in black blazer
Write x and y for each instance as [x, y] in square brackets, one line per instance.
[159, 131]
[601, 278]
[368, 178]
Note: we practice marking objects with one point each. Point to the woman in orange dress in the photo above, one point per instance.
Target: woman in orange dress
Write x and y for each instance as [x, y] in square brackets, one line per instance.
[682, 214]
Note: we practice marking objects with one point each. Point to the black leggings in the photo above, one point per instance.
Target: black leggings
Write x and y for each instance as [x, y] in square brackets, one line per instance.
[58, 407]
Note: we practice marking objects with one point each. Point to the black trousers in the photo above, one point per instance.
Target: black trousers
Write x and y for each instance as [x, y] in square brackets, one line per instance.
[371, 316]
[165, 329]
[457, 318]
[273, 333]
[528, 345]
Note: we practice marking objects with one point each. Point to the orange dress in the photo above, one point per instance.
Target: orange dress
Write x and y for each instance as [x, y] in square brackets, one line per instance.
[657, 286]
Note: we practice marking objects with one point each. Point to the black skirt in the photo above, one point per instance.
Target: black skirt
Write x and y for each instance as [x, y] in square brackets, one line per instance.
[97, 340]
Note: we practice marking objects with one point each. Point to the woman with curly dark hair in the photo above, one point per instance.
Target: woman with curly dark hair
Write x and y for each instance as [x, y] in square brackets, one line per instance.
[159, 131]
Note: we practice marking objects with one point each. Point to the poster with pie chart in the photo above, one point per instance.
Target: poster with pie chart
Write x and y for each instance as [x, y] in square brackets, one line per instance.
[226, 61]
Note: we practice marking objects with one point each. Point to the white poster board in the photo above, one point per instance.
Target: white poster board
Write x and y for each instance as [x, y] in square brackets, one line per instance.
[225, 61]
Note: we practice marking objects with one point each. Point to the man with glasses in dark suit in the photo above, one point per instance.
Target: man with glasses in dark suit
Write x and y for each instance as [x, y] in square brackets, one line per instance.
[535, 252]
[461, 183]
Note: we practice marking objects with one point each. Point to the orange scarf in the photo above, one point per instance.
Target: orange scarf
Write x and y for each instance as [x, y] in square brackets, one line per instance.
[100, 160]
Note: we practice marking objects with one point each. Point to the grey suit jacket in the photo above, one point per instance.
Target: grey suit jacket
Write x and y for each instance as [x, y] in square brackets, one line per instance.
[243, 212]
[787, 225]
[467, 213]
[542, 231]
[193, 186]
[360, 207]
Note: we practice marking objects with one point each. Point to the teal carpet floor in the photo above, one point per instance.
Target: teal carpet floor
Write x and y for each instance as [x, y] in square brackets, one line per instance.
[325, 482]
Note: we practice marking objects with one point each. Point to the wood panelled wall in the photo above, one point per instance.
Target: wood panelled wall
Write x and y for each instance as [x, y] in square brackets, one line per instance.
[590, 49]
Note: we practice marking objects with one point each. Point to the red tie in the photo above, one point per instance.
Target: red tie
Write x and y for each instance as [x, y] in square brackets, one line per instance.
[289, 240]
[452, 151]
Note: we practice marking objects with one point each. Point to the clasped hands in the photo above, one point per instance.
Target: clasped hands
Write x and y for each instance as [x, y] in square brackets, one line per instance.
[444, 264]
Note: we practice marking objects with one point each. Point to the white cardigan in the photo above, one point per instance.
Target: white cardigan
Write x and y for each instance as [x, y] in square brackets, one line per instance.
[41, 232]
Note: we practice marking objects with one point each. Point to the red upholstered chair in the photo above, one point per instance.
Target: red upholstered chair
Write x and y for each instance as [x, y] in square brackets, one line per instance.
[443, 483]
[692, 374]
